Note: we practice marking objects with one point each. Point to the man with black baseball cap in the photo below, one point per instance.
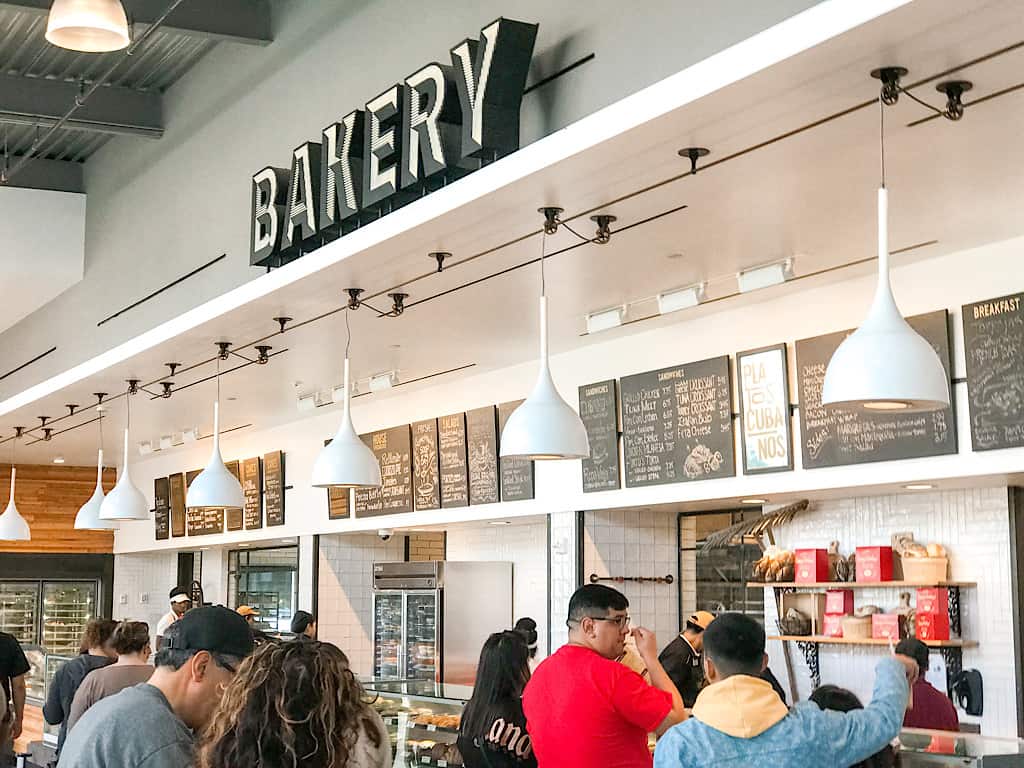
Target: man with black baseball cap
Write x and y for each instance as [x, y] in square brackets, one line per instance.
[152, 725]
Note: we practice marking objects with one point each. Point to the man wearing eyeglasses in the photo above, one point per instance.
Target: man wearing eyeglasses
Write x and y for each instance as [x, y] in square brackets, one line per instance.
[152, 725]
[582, 707]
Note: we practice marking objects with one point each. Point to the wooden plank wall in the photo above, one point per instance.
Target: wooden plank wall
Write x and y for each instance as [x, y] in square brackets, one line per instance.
[49, 497]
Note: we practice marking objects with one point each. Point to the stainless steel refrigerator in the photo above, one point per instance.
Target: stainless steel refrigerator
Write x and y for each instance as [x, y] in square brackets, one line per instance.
[430, 619]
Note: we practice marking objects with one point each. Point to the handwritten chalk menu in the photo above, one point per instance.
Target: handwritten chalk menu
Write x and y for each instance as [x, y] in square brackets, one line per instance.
[176, 484]
[273, 487]
[516, 474]
[162, 502]
[677, 424]
[393, 449]
[766, 429]
[994, 347]
[832, 437]
[426, 473]
[482, 452]
[233, 518]
[252, 487]
[190, 476]
[204, 522]
[599, 412]
[451, 447]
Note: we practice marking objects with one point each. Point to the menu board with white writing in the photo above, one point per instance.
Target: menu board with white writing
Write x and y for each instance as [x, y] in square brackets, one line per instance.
[273, 487]
[162, 502]
[832, 437]
[234, 518]
[201, 521]
[677, 424]
[252, 487]
[599, 412]
[451, 446]
[176, 484]
[482, 455]
[426, 473]
[994, 348]
[516, 474]
[393, 449]
[766, 429]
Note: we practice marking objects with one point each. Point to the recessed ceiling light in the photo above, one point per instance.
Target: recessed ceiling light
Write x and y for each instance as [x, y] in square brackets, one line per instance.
[58, 459]
[499, 522]
[753, 501]
[919, 486]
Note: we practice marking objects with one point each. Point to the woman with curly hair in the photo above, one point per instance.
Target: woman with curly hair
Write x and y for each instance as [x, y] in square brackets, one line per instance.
[295, 704]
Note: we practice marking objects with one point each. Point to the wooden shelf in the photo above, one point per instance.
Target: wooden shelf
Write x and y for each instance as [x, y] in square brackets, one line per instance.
[859, 584]
[818, 639]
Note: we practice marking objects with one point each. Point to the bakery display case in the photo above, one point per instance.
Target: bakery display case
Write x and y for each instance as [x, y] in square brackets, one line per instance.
[19, 610]
[67, 607]
[422, 719]
[937, 749]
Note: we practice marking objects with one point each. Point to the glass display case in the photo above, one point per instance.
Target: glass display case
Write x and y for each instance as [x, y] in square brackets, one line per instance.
[35, 680]
[932, 749]
[19, 610]
[422, 718]
[67, 607]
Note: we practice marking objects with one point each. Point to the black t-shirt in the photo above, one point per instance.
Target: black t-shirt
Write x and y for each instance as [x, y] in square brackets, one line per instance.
[684, 668]
[505, 745]
[12, 661]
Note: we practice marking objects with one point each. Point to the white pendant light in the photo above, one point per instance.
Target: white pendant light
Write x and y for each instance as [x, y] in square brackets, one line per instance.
[346, 462]
[215, 487]
[885, 365]
[13, 526]
[92, 26]
[125, 501]
[544, 426]
[88, 517]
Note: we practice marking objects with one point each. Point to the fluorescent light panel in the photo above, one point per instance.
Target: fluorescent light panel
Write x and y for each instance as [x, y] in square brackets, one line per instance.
[765, 276]
[605, 319]
[681, 298]
[382, 381]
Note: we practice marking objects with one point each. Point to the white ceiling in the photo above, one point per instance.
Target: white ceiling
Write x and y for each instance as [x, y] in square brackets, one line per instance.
[811, 195]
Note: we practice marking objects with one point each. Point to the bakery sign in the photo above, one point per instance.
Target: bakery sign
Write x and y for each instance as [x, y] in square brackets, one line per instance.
[440, 123]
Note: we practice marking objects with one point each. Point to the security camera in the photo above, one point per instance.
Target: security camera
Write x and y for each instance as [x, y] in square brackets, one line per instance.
[385, 534]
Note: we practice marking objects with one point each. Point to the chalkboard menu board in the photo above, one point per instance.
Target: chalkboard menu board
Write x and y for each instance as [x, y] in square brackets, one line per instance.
[203, 522]
[190, 476]
[252, 487]
[832, 437]
[677, 424]
[176, 484]
[234, 517]
[482, 451]
[273, 487]
[994, 347]
[426, 473]
[599, 412]
[162, 502]
[393, 449]
[451, 442]
[516, 474]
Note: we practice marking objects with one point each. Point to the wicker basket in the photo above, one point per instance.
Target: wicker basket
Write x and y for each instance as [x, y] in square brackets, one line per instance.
[795, 624]
[925, 570]
[857, 627]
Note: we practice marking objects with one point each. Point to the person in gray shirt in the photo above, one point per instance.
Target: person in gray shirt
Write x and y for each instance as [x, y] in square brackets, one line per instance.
[151, 725]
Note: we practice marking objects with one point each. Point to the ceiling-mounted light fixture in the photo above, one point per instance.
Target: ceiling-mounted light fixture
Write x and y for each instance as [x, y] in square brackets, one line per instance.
[13, 527]
[92, 26]
[382, 381]
[885, 365]
[190, 435]
[58, 459]
[606, 319]
[765, 275]
[346, 462]
[125, 501]
[681, 298]
[166, 441]
[145, 448]
[215, 487]
[544, 426]
[88, 517]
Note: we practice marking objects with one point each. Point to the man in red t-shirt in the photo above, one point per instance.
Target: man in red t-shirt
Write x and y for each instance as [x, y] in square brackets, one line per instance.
[583, 709]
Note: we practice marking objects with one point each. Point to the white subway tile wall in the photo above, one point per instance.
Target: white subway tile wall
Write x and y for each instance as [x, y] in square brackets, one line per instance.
[563, 573]
[525, 546]
[345, 605]
[974, 526]
[637, 543]
[145, 581]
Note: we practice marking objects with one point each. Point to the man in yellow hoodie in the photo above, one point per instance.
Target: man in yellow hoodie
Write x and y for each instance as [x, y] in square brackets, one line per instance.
[739, 720]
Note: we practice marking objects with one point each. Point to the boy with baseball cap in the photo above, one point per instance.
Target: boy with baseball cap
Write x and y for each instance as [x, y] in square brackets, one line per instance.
[682, 657]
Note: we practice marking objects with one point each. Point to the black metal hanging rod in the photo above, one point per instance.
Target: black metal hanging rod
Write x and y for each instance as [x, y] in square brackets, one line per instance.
[670, 579]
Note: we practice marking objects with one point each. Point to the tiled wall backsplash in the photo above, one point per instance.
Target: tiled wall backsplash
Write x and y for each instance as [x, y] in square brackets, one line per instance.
[637, 543]
[563, 573]
[144, 581]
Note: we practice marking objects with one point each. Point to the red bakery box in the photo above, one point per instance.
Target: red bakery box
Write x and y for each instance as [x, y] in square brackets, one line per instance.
[839, 602]
[932, 626]
[833, 626]
[811, 565]
[874, 564]
[933, 600]
[886, 626]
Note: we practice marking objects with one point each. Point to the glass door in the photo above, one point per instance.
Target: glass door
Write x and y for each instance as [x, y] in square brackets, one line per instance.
[387, 635]
[267, 580]
[67, 607]
[421, 651]
[19, 610]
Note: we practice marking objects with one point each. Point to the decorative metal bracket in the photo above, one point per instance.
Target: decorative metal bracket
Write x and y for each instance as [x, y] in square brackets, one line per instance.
[810, 653]
[594, 579]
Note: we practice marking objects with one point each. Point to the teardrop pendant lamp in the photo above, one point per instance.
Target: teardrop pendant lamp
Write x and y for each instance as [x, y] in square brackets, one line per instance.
[88, 517]
[544, 426]
[346, 462]
[125, 501]
[91, 26]
[885, 365]
[215, 487]
[13, 527]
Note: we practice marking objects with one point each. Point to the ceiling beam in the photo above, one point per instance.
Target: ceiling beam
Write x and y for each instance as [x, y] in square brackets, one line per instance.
[239, 21]
[36, 101]
[54, 175]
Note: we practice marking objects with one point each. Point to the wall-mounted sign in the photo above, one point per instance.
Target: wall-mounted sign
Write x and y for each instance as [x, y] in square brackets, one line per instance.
[766, 430]
[994, 348]
[600, 415]
[273, 487]
[162, 502]
[252, 487]
[516, 474]
[204, 522]
[482, 455]
[393, 449]
[234, 518]
[441, 122]
[337, 499]
[176, 483]
[451, 442]
[426, 473]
